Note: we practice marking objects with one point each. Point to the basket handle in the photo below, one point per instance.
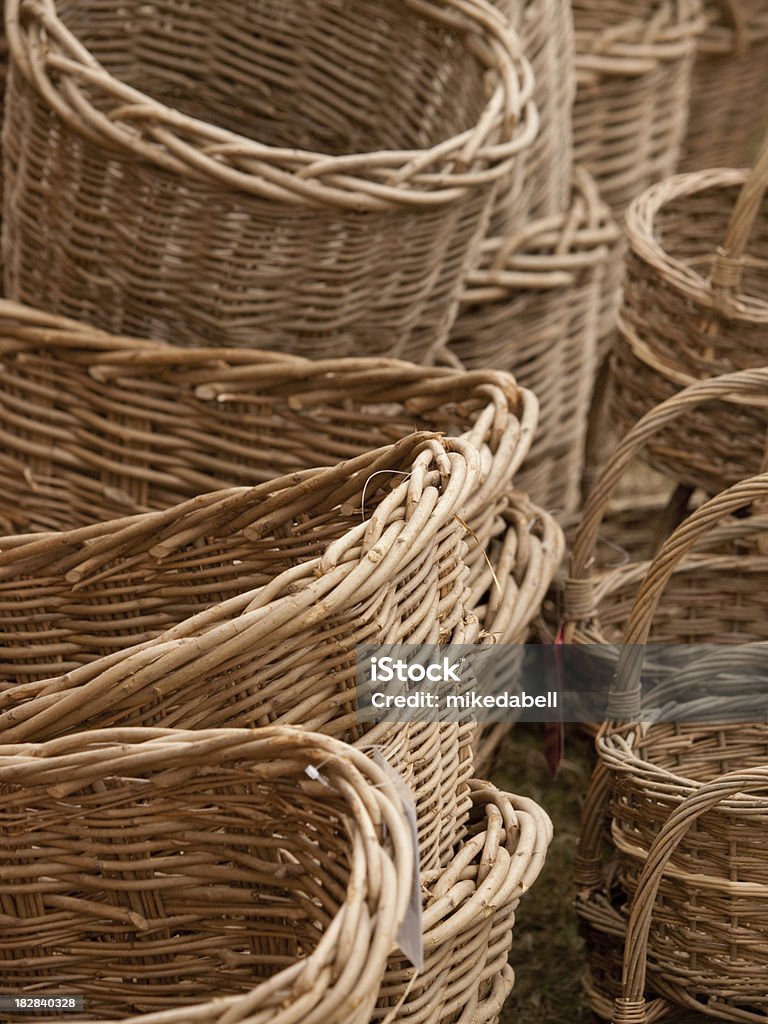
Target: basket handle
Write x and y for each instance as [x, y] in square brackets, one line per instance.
[630, 1008]
[624, 702]
[579, 590]
[735, 13]
[728, 263]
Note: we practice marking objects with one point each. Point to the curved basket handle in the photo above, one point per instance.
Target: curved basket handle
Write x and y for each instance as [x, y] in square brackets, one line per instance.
[625, 698]
[728, 264]
[579, 595]
[630, 1008]
[588, 871]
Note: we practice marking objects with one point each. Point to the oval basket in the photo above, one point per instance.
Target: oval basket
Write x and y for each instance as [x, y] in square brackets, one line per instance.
[307, 176]
[95, 426]
[468, 915]
[633, 74]
[201, 875]
[729, 107]
[696, 305]
[534, 308]
[700, 897]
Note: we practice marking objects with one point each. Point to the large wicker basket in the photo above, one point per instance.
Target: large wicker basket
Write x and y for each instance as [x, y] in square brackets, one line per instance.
[533, 308]
[729, 92]
[696, 305]
[469, 913]
[633, 74]
[306, 176]
[94, 426]
[245, 607]
[709, 925]
[201, 875]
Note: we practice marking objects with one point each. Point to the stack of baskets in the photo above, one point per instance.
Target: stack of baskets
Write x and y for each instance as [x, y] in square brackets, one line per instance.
[200, 531]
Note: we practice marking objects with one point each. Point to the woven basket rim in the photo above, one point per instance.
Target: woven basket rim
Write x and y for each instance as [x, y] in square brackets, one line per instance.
[39, 42]
[637, 45]
[379, 840]
[549, 252]
[640, 222]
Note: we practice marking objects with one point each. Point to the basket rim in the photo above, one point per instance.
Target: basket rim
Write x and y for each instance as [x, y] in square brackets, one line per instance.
[640, 222]
[550, 252]
[636, 46]
[39, 43]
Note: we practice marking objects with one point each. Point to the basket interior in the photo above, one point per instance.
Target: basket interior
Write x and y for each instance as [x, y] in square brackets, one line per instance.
[210, 883]
[329, 76]
[691, 228]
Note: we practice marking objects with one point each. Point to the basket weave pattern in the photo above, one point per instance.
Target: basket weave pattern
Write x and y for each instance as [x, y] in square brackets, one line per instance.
[729, 106]
[244, 607]
[159, 868]
[533, 308]
[328, 190]
[633, 74]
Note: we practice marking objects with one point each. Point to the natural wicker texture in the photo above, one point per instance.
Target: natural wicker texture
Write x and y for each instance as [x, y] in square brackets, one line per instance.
[729, 89]
[633, 73]
[160, 870]
[93, 426]
[545, 28]
[298, 174]
[244, 607]
[716, 595]
[709, 923]
[533, 308]
[469, 913]
[696, 305]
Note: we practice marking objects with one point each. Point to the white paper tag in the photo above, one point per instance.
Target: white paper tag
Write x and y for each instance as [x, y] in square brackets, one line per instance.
[410, 937]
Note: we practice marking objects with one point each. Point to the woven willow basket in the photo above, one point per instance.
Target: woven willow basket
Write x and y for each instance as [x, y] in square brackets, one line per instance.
[729, 106]
[308, 176]
[714, 595]
[708, 929]
[545, 28]
[469, 913]
[695, 305]
[201, 875]
[244, 607]
[94, 426]
[533, 308]
[633, 74]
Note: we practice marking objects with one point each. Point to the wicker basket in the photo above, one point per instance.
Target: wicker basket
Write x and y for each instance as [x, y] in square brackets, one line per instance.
[469, 913]
[307, 176]
[723, 573]
[93, 426]
[633, 74]
[692, 310]
[729, 106]
[545, 28]
[533, 308]
[201, 874]
[709, 925]
[244, 607]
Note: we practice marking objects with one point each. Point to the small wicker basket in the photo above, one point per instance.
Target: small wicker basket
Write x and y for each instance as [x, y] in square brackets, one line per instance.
[307, 176]
[469, 912]
[633, 74]
[201, 875]
[729, 105]
[534, 308]
[696, 306]
[708, 926]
